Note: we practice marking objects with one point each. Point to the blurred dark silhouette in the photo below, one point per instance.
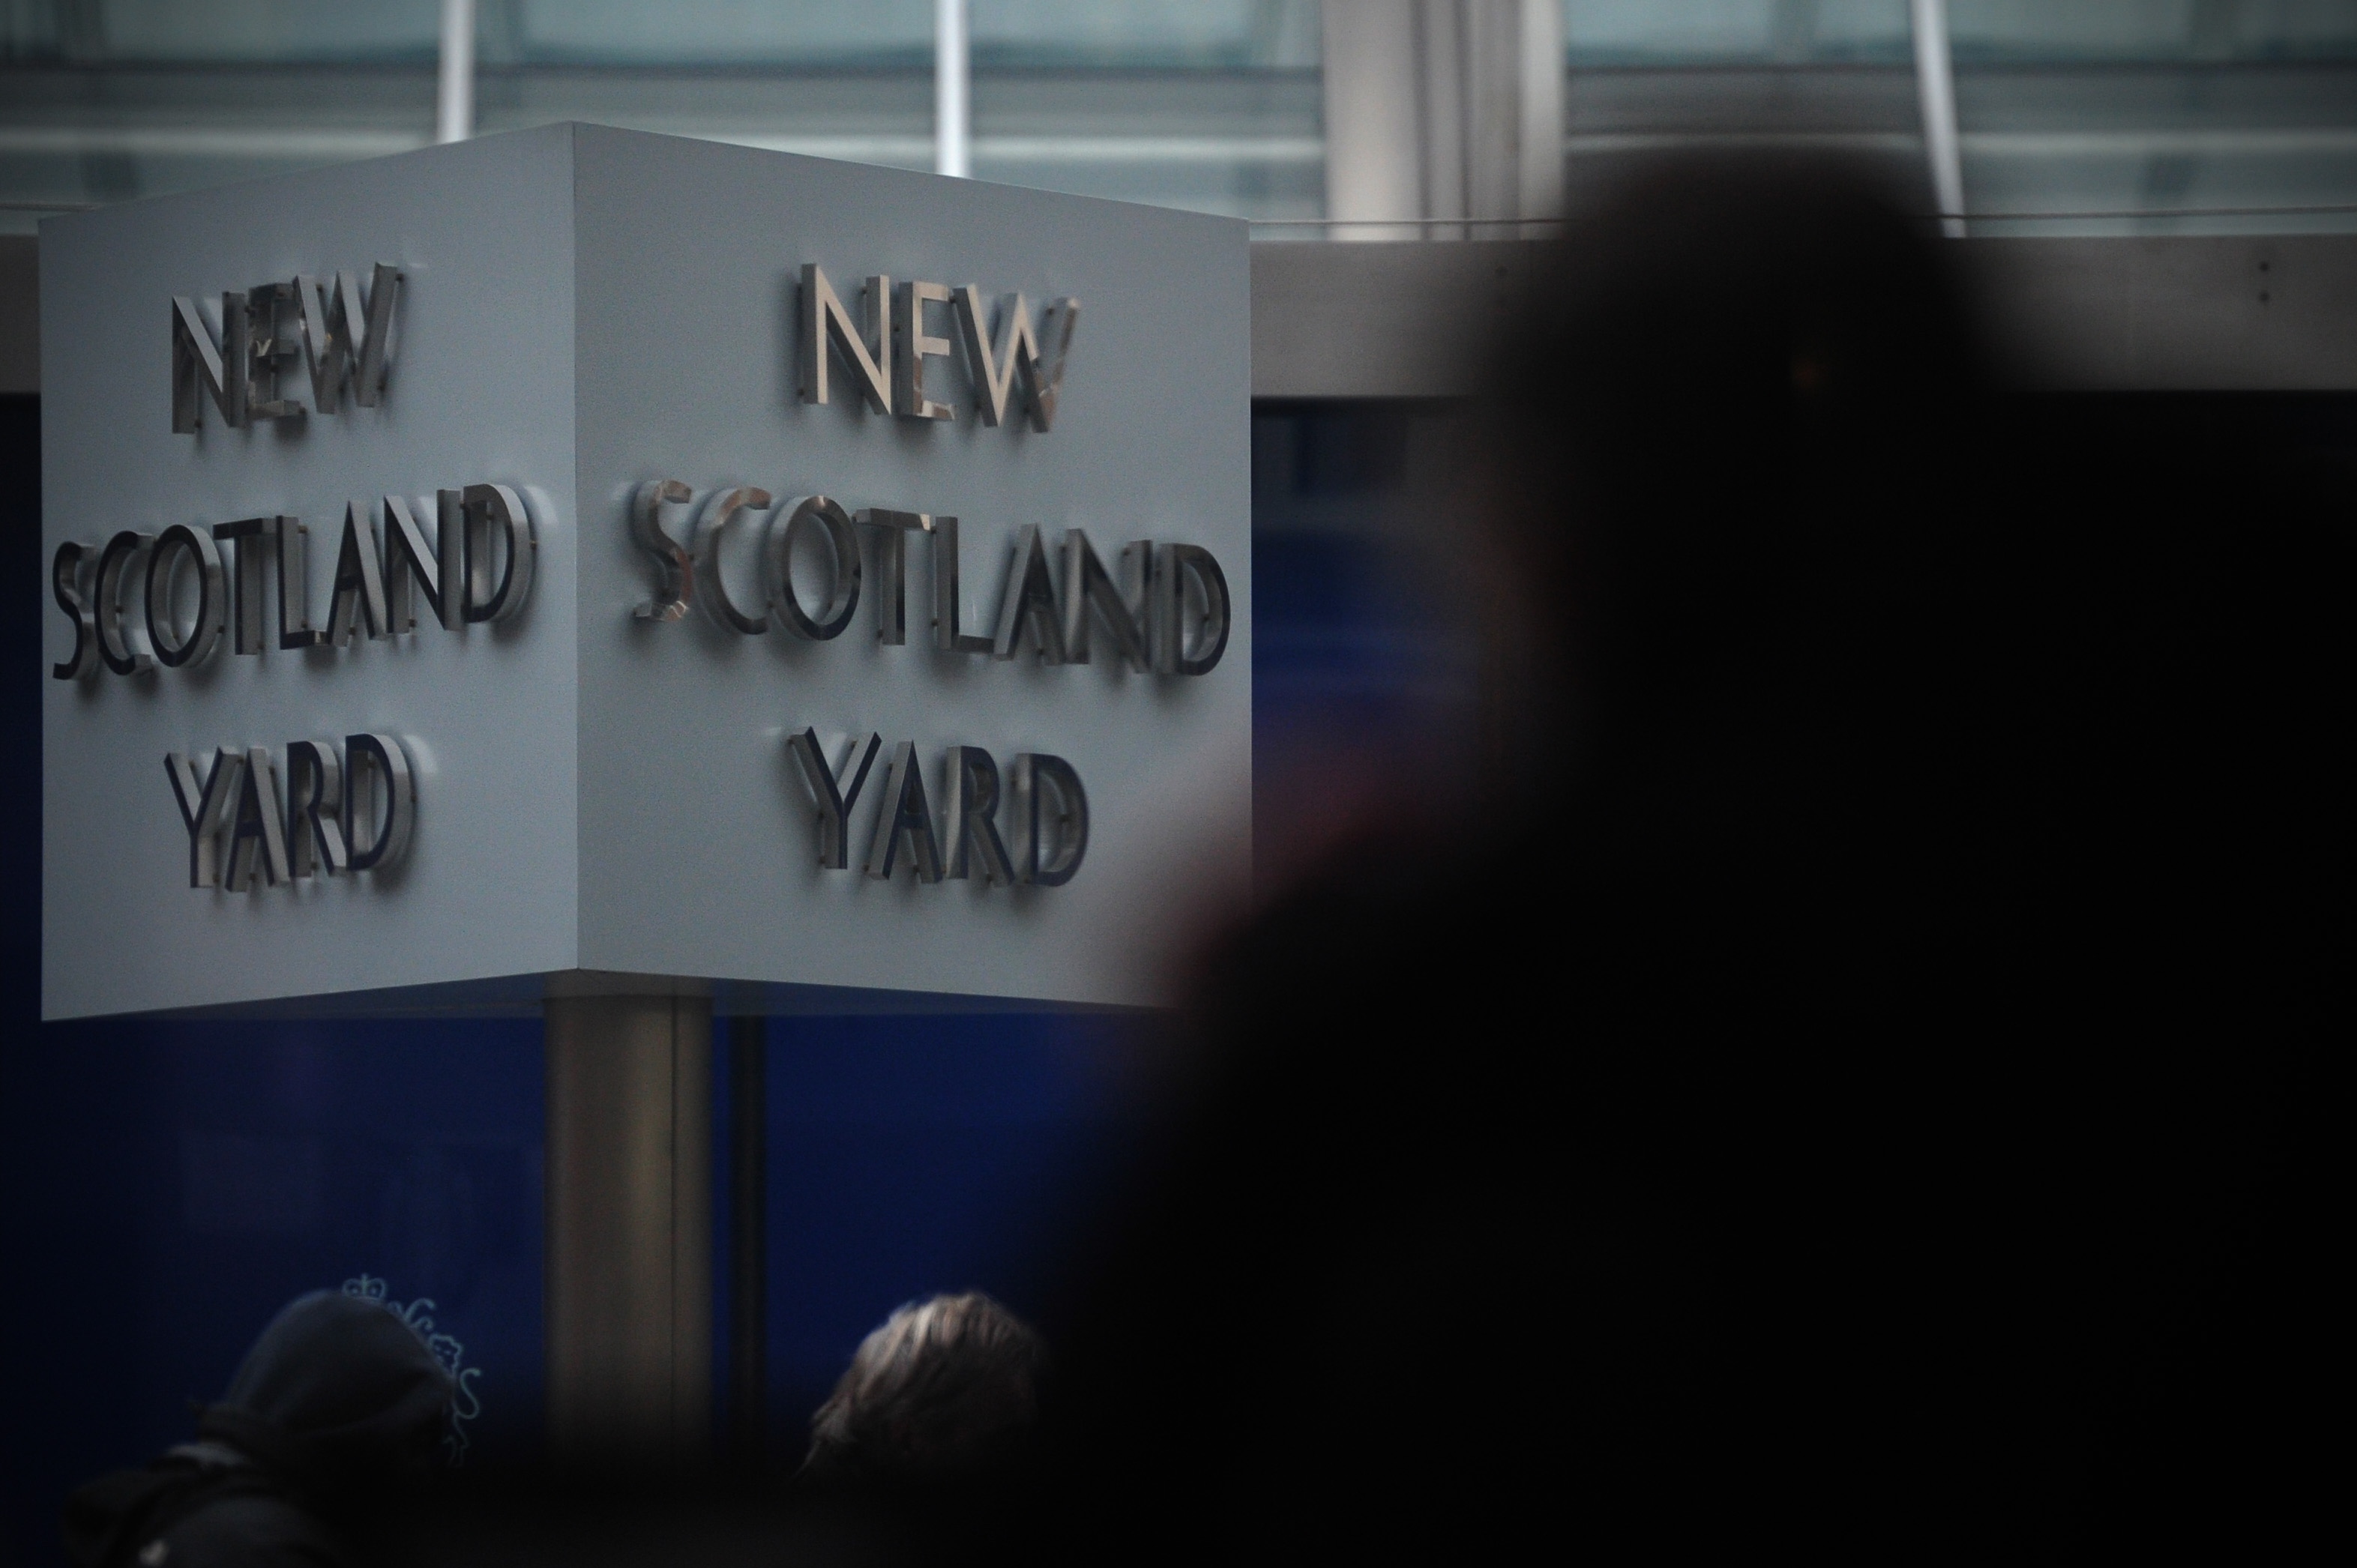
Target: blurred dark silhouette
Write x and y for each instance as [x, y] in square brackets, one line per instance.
[1845, 1086]
[335, 1416]
[945, 1391]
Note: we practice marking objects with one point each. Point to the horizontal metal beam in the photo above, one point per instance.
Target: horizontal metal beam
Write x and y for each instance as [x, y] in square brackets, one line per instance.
[2235, 313]
[1417, 320]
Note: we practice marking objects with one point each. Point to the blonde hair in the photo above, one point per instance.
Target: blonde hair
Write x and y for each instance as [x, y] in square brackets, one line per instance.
[946, 1386]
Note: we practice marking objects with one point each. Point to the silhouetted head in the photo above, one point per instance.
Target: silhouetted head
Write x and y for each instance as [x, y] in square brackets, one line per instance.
[338, 1395]
[947, 1390]
[1742, 528]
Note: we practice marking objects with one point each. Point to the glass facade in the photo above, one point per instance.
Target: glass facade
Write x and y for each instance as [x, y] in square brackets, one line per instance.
[2124, 107]
[2118, 107]
[1212, 106]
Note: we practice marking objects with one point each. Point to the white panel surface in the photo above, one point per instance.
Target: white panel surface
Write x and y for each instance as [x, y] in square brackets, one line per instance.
[481, 389]
[585, 309]
[698, 851]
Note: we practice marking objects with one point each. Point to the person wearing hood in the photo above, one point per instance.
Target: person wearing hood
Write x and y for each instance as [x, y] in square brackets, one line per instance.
[338, 1407]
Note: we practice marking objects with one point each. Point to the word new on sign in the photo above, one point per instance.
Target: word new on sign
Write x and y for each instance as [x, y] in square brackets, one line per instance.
[1020, 368]
[345, 337]
[477, 566]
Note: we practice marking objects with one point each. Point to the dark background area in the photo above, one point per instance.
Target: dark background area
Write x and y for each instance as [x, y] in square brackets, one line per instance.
[164, 1186]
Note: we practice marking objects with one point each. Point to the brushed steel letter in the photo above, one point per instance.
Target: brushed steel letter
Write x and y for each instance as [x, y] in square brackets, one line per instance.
[893, 530]
[254, 833]
[1029, 595]
[379, 788]
[675, 562]
[67, 567]
[835, 791]
[906, 817]
[802, 513]
[204, 806]
[124, 647]
[824, 321]
[244, 538]
[315, 798]
[949, 598]
[968, 815]
[720, 509]
[1034, 776]
[199, 366]
[912, 346]
[294, 628]
[410, 562]
[1120, 606]
[356, 603]
[172, 650]
[489, 510]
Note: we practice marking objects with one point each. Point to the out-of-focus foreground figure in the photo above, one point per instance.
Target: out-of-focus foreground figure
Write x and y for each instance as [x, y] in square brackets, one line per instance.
[946, 1391]
[1836, 1090]
[337, 1412]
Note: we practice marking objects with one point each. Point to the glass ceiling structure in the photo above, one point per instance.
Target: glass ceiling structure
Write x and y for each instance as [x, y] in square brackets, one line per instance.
[2122, 109]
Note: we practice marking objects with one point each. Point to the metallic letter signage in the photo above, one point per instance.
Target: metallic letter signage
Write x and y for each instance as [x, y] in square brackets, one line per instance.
[1168, 614]
[1018, 366]
[345, 337]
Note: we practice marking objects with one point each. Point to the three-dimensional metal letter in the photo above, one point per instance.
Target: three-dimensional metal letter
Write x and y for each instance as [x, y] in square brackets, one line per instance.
[255, 829]
[720, 509]
[1121, 608]
[204, 806]
[992, 369]
[949, 598]
[271, 339]
[893, 530]
[377, 787]
[346, 340]
[968, 815]
[172, 650]
[835, 791]
[1048, 370]
[411, 562]
[67, 569]
[675, 562]
[906, 817]
[294, 628]
[1033, 776]
[800, 516]
[356, 603]
[315, 802]
[124, 647]
[1029, 596]
[200, 367]
[246, 561]
[912, 346]
[489, 512]
[824, 321]
[1208, 635]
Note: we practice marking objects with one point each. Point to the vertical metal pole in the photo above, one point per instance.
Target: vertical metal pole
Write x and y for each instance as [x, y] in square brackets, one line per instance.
[1374, 128]
[748, 1370]
[1935, 85]
[952, 118]
[1541, 140]
[454, 117]
[629, 1287]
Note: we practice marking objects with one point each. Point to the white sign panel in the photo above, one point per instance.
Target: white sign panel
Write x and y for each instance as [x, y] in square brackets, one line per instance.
[587, 550]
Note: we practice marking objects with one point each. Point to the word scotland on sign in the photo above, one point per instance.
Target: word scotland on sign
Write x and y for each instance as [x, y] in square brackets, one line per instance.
[446, 587]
